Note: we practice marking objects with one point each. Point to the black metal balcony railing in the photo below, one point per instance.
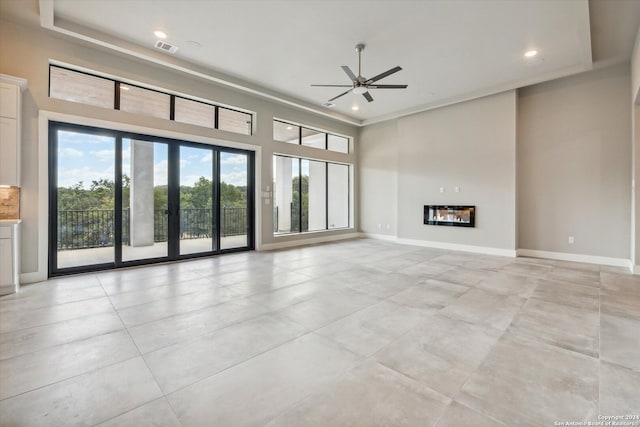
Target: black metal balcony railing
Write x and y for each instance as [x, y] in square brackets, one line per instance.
[94, 229]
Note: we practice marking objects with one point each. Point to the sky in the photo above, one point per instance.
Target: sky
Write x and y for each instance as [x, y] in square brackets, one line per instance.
[85, 158]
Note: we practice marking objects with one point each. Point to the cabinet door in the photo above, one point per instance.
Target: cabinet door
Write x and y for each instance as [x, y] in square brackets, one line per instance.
[8, 100]
[8, 151]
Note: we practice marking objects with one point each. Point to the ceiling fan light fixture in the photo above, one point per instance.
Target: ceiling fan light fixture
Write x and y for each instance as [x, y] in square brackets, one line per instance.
[359, 90]
[530, 53]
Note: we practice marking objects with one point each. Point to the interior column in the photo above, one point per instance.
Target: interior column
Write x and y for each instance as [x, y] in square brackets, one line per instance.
[141, 197]
[283, 192]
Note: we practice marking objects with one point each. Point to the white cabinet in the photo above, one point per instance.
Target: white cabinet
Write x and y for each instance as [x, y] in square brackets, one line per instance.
[9, 256]
[10, 128]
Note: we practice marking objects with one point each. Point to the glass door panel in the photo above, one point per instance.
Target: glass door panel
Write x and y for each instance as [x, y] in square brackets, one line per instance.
[144, 200]
[196, 214]
[286, 181]
[85, 196]
[314, 195]
[234, 212]
[338, 190]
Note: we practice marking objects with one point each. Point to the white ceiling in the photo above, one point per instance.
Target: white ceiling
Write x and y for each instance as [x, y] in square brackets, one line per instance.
[449, 50]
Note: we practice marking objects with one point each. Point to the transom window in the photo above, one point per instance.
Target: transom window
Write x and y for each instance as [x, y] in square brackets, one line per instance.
[301, 135]
[85, 88]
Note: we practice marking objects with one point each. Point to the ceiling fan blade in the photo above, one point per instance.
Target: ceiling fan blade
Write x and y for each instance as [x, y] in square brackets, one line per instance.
[387, 86]
[332, 85]
[342, 94]
[383, 75]
[349, 73]
[368, 96]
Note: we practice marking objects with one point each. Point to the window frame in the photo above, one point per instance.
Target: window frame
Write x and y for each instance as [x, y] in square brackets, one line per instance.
[172, 98]
[301, 127]
[326, 189]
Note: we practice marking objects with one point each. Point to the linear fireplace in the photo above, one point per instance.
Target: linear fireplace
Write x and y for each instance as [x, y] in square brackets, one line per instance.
[456, 216]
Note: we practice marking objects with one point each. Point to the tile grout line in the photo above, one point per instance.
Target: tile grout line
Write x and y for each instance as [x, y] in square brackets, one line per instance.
[308, 332]
[145, 363]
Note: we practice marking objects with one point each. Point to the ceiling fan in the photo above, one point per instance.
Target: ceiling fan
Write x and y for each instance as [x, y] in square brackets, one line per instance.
[361, 85]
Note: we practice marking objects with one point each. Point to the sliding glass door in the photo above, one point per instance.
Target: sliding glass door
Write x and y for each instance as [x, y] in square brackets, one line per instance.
[119, 199]
[84, 199]
[197, 195]
[145, 201]
[234, 198]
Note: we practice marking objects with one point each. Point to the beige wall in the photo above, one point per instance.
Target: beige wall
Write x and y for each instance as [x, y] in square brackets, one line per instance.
[574, 164]
[635, 70]
[470, 145]
[378, 165]
[25, 51]
[635, 206]
[571, 163]
[635, 141]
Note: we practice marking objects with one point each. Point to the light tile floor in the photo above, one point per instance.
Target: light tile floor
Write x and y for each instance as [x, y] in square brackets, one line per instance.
[357, 333]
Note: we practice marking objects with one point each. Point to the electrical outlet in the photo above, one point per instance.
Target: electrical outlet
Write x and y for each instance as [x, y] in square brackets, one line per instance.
[379, 226]
[571, 240]
[442, 189]
[457, 189]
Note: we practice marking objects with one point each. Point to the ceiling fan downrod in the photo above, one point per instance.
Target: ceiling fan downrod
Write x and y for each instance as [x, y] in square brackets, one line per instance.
[359, 49]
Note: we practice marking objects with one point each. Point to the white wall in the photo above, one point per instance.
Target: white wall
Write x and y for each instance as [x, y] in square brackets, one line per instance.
[470, 145]
[574, 164]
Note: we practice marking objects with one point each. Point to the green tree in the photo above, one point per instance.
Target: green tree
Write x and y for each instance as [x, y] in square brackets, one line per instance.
[201, 194]
[295, 203]
[232, 196]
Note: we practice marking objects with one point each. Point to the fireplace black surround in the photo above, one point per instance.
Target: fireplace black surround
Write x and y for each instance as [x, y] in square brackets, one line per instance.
[455, 216]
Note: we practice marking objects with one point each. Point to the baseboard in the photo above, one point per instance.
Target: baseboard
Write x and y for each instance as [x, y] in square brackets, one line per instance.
[443, 245]
[459, 247]
[304, 242]
[589, 259]
[7, 289]
[386, 237]
[32, 277]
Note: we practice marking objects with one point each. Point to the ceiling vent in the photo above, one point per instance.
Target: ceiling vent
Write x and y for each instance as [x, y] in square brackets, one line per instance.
[166, 47]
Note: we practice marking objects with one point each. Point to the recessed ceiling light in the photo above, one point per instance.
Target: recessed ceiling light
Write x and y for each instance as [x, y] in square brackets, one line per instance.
[329, 104]
[530, 53]
[355, 108]
[289, 127]
[123, 87]
[160, 34]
